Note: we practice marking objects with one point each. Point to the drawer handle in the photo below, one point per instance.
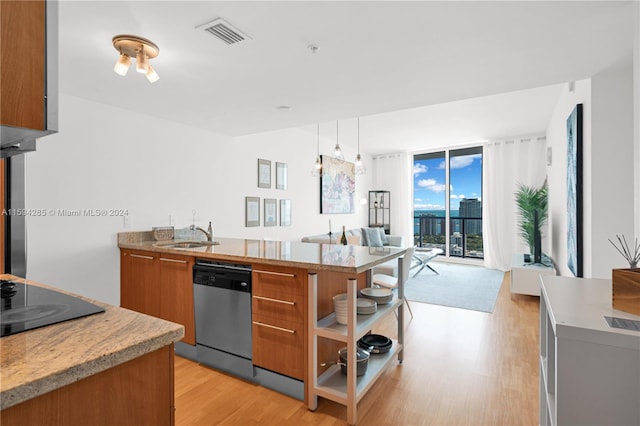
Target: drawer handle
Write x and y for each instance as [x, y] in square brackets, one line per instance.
[141, 256]
[268, 299]
[282, 274]
[164, 259]
[274, 327]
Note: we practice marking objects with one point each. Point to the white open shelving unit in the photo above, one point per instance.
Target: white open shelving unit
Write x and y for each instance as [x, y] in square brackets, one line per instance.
[332, 384]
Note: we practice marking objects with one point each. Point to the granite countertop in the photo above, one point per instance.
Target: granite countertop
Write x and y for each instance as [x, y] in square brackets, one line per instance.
[35, 362]
[313, 256]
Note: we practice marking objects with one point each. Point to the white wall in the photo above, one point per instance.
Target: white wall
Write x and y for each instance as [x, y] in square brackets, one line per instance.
[109, 158]
[612, 170]
[608, 190]
[636, 109]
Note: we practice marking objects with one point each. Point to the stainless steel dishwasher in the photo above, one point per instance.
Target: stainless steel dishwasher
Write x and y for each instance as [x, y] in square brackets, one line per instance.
[222, 302]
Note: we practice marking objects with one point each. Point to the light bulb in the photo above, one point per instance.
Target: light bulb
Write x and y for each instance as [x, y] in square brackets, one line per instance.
[360, 169]
[142, 62]
[152, 75]
[337, 152]
[122, 66]
[317, 168]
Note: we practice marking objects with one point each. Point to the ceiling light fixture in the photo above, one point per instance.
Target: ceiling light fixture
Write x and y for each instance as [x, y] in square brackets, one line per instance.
[337, 152]
[316, 171]
[140, 48]
[360, 168]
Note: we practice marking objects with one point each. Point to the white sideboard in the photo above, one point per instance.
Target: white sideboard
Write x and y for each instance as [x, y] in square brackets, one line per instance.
[525, 277]
[589, 372]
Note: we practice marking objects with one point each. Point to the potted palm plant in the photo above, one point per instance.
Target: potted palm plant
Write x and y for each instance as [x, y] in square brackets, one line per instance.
[530, 199]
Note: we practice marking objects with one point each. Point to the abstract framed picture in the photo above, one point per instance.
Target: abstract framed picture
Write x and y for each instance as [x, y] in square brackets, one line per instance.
[252, 211]
[270, 212]
[264, 173]
[337, 186]
[574, 191]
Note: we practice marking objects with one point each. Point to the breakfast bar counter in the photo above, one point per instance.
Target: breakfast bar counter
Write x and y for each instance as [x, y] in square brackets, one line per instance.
[327, 257]
[98, 363]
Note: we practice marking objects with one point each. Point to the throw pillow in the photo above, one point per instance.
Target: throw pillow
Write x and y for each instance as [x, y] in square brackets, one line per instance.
[371, 237]
[383, 237]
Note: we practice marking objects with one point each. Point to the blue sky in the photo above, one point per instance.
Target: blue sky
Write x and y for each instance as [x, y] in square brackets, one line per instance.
[429, 181]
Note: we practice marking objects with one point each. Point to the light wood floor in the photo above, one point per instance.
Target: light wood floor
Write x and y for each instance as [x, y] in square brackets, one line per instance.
[461, 367]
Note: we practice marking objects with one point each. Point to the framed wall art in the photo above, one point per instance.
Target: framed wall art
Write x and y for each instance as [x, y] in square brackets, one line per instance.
[337, 186]
[252, 211]
[285, 212]
[270, 212]
[281, 175]
[264, 173]
[574, 191]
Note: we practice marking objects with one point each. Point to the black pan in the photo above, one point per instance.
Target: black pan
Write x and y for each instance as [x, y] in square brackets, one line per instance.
[379, 344]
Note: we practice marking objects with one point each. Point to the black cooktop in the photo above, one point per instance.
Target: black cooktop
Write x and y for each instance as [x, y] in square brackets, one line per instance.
[26, 307]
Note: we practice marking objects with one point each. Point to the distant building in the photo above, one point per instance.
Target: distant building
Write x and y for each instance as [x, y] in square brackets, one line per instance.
[471, 207]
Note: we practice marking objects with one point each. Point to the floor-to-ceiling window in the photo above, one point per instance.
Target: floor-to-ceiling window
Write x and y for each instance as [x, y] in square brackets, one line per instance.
[447, 201]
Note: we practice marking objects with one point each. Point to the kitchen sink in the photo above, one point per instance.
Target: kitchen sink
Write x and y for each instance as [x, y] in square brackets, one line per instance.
[186, 244]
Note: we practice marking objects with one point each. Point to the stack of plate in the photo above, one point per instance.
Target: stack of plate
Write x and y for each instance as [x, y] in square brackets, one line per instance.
[366, 306]
[380, 295]
[340, 306]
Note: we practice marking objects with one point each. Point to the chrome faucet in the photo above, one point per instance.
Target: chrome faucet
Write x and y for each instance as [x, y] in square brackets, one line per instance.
[208, 232]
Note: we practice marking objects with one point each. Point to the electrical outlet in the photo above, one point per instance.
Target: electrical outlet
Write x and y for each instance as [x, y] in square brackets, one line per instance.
[128, 222]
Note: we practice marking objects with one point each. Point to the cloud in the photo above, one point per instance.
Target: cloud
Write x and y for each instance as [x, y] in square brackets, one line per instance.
[431, 185]
[458, 196]
[419, 168]
[460, 162]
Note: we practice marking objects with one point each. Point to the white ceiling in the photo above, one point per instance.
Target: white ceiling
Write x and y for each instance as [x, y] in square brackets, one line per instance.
[417, 72]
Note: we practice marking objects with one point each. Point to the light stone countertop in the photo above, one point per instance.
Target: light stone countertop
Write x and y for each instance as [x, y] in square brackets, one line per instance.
[35, 362]
[312, 256]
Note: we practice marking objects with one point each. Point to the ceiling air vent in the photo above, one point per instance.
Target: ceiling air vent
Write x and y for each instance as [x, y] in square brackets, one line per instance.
[224, 31]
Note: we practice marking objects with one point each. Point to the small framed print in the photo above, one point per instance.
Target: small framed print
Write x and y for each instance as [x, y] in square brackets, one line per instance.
[285, 212]
[264, 173]
[270, 212]
[281, 175]
[252, 211]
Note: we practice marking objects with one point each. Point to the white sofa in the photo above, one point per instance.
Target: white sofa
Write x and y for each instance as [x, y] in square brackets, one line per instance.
[356, 236]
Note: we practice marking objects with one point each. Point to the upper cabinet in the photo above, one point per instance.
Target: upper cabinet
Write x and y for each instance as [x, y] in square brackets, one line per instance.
[28, 73]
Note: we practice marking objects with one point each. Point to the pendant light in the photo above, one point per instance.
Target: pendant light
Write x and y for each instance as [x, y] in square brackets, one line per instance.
[337, 152]
[316, 171]
[360, 168]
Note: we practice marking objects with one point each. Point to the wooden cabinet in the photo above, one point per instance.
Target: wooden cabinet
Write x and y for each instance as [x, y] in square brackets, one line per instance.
[279, 320]
[160, 285]
[28, 73]
[176, 293]
[22, 75]
[138, 392]
[139, 287]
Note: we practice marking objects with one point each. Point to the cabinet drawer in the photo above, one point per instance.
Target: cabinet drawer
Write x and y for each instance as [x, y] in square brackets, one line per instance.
[282, 307]
[273, 281]
[279, 346]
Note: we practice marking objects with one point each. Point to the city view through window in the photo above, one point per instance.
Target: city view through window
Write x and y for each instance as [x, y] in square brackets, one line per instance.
[447, 201]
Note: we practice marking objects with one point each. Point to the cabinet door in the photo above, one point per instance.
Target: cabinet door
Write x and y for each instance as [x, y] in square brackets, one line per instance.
[279, 318]
[176, 293]
[139, 287]
[22, 75]
[279, 346]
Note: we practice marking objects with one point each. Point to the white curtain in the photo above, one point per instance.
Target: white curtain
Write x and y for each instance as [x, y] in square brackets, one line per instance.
[393, 173]
[507, 163]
